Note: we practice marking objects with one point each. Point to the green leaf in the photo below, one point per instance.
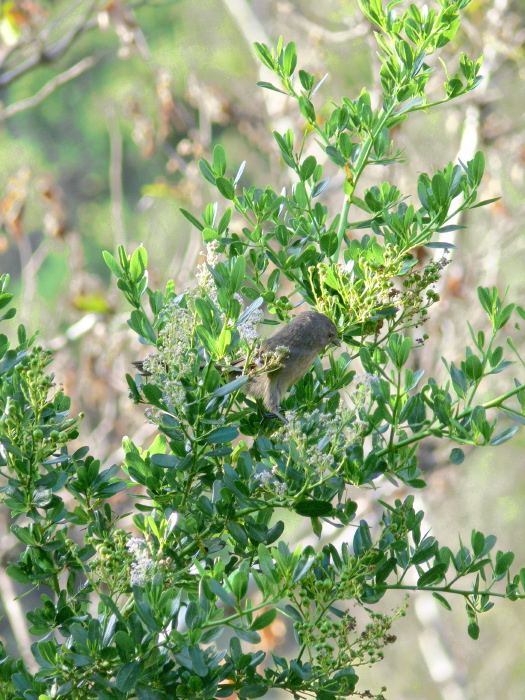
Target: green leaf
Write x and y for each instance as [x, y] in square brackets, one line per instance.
[477, 166]
[307, 109]
[225, 220]
[458, 380]
[264, 620]
[239, 584]
[154, 396]
[167, 461]
[473, 368]
[313, 508]
[10, 360]
[237, 274]
[447, 229]
[207, 340]
[197, 661]
[16, 573]
[473, 630]
[264, 54]
[127, 676]
[231, 386]
[238, 534]
[319, 187]
[457, 456]
[434, 575]
[192, 219]
[206, 171]
[307, 80]
[221, 435]
[328, 243]
[293, 613]
[503, 562]
[221, 592]
[362, 538]
[485, 202]
[440, 190]
[300, 196]
[251, 691]
[522, 578]
[290, 59]
[219, 160]
[504, 435]
[23, 534]
[485, 299]
[269, 86]
[502, 316]
[209, 234]
[304, 564]
[10, 313]
[425, 552]
[335, 156]
[346, 144]
[385, 570]
[138, 264]
[267, 564]
[112, 263]
[478, 541]
[442, 601]
[307, 168]
[226, 188]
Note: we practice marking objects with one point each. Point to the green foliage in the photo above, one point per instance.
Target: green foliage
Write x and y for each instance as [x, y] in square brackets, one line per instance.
[213, 565]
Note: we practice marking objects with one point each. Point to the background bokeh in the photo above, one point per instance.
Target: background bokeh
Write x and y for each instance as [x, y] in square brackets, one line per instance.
[107, 108]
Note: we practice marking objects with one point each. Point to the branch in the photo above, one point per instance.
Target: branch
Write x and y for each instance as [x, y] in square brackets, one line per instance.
[446, 589]
[115, 177]
[47, 55]
[80, 67]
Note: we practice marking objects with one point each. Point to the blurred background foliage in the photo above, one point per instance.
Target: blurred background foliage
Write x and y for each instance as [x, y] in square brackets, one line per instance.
[106, 109]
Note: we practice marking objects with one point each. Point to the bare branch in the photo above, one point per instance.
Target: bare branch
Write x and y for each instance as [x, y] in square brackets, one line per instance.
[115, 177]
[44, 55]
[80, 67]
[47, 55]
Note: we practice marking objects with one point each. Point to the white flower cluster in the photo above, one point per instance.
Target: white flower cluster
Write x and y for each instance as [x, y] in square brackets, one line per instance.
[143, 563]
[175, 347]
[361, 396]
[205, 281]
[322, 438]
[206, 285]
[248, 329]
[268, 481]
[171, 362]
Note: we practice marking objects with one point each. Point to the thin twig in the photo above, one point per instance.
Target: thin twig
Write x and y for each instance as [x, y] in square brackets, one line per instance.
[46, 55]
[80, 67]
[30, 263]
[115, 177]
[61, 16]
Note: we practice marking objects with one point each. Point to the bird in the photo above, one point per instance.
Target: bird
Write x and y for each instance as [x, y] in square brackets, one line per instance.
[301, 340]
[293, 349]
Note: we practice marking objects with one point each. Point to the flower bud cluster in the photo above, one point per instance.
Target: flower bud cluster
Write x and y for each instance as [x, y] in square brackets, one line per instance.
[141, 568]
[319, 441]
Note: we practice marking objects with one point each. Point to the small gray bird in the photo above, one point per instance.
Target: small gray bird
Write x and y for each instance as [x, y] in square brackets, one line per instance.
[304, 338]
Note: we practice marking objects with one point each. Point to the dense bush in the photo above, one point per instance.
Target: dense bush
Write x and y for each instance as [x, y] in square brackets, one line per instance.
[211, 564]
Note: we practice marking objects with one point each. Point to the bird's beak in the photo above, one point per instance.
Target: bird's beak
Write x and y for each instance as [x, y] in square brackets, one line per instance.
[336, 342]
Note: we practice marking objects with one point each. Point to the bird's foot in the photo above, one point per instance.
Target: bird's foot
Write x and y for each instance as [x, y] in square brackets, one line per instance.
[271, 416]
